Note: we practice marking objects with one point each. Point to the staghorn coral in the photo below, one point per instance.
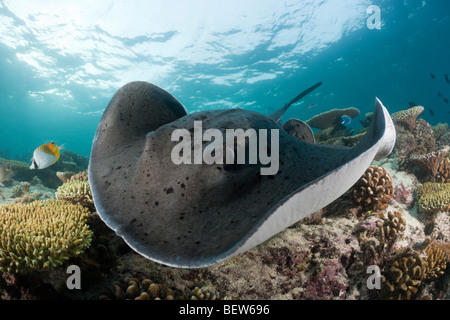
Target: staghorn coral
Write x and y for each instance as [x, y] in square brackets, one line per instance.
[430, 162]
[374, 189]
[433, 197]
[41, 235]
[443, 172]
[76, 192]
[407, 117]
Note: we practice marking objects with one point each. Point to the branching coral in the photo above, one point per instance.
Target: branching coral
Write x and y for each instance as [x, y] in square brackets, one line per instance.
[436, 262]
[374, 189]
[407, 117]
[430, 162]
[433, 197]
[41, 235]
[76, 192]
[443, 172]
[403, 277]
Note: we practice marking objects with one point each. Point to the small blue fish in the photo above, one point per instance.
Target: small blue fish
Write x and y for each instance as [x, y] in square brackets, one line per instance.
[5, 174]
[345, 120]
[311, 105]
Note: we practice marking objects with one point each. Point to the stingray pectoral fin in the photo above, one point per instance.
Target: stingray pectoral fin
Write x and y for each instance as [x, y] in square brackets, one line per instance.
[378, 142]
[137, 108]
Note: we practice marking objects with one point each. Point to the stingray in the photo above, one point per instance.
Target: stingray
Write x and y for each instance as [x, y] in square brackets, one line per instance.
[197, 215]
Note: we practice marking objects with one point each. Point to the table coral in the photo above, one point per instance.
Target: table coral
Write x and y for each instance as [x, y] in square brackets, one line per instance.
[374, 189]
[331, 119]
[407, 117]
[41, 235]
[433, 197]
[430, 162]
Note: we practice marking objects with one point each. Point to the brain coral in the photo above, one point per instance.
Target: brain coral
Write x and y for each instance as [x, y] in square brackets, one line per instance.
[374, 189]
[434, 197]
[41, 235]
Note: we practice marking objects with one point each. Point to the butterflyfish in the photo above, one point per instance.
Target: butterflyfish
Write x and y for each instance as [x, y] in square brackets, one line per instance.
[45, 155]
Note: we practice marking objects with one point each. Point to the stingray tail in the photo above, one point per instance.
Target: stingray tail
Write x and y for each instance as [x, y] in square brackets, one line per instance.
[276, 116]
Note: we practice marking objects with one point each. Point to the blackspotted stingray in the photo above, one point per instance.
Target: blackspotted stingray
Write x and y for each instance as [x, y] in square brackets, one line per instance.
[196, 215]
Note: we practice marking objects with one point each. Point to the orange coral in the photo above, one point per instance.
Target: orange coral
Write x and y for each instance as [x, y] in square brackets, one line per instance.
[443, 172]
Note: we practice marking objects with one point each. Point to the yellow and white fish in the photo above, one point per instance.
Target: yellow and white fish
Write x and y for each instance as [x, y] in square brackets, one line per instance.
[5, 174]
[45, 155]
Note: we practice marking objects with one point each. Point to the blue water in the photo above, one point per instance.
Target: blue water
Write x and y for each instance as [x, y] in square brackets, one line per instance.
[62, 61]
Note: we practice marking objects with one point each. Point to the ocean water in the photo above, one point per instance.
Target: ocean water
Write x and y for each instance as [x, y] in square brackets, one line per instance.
[62, 61]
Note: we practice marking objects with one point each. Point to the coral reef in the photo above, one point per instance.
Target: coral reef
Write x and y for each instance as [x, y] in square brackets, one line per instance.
[76, 192]
[41, 235]
[403, 277]
[405, 142]
[439, 130]
[331, 119]
[424, 137]
[443, 172]
[407, 117]
[374, 189]
[203, 293]
[436, 262]
[69, 161]
[433, 197]
[64, 176]
[443, 140]
[430, 162]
